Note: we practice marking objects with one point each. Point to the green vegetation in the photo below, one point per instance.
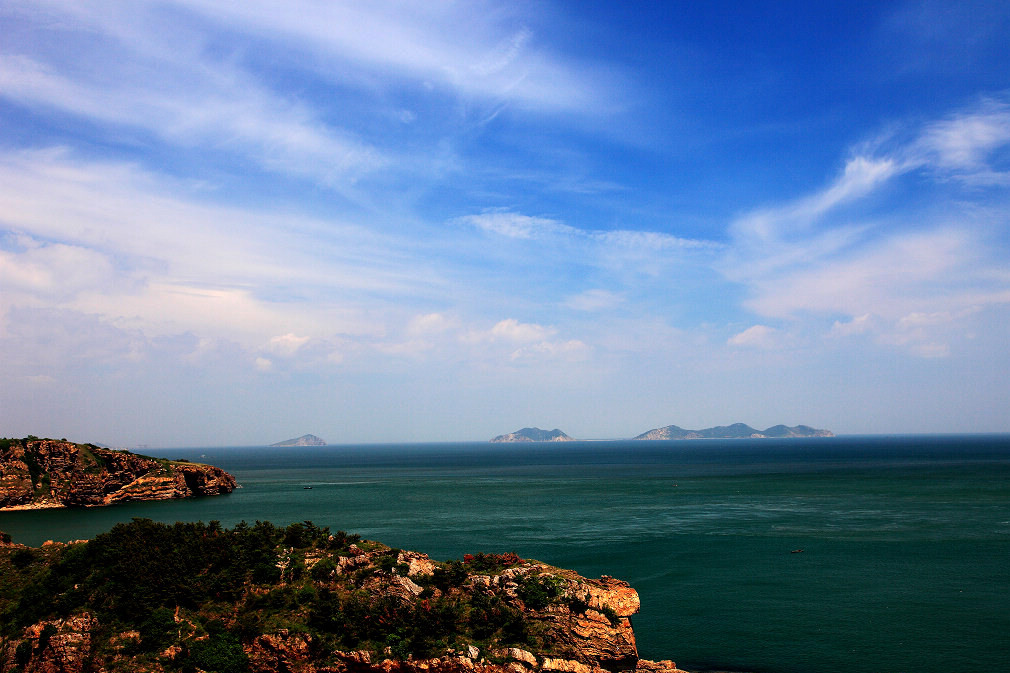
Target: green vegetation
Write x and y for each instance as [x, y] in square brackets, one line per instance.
[208, 590]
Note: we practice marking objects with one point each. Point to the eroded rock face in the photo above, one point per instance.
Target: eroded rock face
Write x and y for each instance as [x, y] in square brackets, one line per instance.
[581, 625]
[51, 473]
[55, 646]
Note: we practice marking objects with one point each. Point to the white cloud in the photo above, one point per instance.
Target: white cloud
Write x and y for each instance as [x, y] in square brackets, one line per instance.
[571, 350]
[889, 276]
[431, 323]
[756, 336]
[514, 225]
[226, 111]
[858, 325]
[594, 300]
[111, 239]
[475, 49]
[286, 344]
[520, 342]
[861, 176]
[611, 242]
[649, 240]
[962, 145]
[809, 258]
[513, 330]
[53, 270]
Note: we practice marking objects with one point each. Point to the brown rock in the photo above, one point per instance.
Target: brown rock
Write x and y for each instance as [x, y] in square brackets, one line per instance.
[57, 646]
[50, 473]
[665, 666]
[281, 652]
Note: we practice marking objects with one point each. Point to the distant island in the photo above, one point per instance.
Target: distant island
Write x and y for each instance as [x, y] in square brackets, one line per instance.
[534, 435]
[41, 473]
[304, 440]
[735, 431]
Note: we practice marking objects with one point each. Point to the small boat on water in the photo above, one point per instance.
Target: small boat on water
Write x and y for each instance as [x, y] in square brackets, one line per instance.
[307, 488]
[796, 551]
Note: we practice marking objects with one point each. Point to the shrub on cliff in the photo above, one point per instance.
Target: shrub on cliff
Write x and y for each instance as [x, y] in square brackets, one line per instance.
[537, 592]
[204, 590]
[220, 652]
[491, 563]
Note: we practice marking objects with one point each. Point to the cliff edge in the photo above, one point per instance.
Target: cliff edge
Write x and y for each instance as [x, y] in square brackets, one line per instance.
[151, 597]
[39, 473]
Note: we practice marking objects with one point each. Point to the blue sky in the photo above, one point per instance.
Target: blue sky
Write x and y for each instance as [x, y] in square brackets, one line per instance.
[233, 223]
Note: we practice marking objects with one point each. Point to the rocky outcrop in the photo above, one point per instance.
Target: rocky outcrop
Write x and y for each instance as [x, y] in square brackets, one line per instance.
[54, 646]
[534, 435]
[67, 646]
[571, 624]
[734, 431]
[38, 473]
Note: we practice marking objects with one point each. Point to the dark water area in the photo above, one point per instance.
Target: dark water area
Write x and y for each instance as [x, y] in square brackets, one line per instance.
[905, 562]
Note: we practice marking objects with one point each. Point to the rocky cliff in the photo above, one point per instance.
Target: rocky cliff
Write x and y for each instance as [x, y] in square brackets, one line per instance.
[300, 600]
[57, 473]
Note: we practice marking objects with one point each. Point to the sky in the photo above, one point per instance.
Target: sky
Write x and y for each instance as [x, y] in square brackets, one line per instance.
[235, 223]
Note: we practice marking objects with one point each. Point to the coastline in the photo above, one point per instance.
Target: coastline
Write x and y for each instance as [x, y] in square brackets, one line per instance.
[47, 504]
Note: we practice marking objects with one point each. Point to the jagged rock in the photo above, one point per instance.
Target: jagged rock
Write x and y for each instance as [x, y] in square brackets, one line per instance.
[664, 666]
[419, 563]
[615, 594]
[282, 651]
[581, 625]
[57, 646]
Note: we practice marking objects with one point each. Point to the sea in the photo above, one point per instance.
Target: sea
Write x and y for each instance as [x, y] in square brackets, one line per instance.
[883, 554]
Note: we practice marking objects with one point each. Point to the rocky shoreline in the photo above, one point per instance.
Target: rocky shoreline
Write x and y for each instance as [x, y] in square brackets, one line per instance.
[47, 473]
[304, 601]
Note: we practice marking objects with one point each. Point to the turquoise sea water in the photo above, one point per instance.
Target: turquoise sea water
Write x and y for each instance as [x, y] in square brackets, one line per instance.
[906, 540]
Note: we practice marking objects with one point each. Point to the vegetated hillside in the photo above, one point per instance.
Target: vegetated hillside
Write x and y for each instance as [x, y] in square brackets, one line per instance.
[534, 435]
[152, 597]
[56, 473]
[734, 431]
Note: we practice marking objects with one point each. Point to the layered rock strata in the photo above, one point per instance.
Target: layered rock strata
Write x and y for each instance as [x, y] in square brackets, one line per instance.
[37, 473]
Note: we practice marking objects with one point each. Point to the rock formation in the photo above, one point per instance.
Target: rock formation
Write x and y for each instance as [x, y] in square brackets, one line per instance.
[490, 613]
[36, 473]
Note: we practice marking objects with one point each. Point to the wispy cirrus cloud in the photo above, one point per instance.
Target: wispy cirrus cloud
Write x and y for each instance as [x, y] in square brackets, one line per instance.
[822, 255]
[148, 249]
[962, 146]
[223, 110]
[477, 50]
[517, 225]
